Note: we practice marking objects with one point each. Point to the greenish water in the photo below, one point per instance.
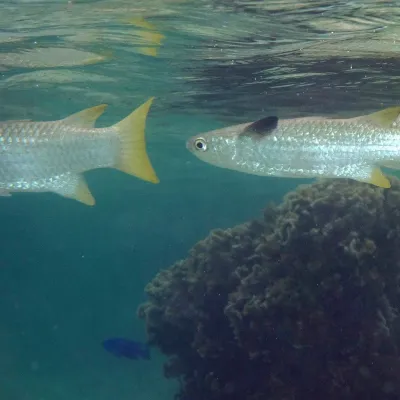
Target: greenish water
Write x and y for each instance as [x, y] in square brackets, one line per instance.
[71, 275]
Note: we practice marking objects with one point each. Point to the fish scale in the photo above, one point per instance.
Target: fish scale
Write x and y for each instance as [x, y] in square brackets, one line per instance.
[71, 150]
[307, 147]
[51, 156]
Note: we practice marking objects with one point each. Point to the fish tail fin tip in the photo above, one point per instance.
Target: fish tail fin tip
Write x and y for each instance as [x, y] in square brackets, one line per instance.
[87, 117]
[133, 158]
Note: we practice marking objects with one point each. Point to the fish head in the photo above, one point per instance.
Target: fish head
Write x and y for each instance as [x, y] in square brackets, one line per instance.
[218, 147]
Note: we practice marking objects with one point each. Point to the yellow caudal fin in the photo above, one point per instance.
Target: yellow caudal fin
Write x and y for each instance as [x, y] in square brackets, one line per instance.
[133, 158]
[85, 118]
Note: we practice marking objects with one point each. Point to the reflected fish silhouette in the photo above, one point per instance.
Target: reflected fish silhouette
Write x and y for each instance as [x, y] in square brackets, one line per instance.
[310, 147]
[127, 348]
[51, 156]
[150, 39]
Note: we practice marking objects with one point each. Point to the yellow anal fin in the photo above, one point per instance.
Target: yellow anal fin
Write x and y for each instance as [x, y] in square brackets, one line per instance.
[82, 193]
[133, 158]
[377, 178]
[85, 118]
[76, 188]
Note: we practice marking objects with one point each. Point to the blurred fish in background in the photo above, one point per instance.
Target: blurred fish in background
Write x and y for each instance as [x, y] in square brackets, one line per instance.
[132, 349]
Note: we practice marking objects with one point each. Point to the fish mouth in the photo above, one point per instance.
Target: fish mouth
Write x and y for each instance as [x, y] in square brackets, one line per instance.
[189, 144]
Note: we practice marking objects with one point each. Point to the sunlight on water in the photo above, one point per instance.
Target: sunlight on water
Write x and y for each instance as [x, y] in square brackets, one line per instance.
[209, 63]
[202, 45]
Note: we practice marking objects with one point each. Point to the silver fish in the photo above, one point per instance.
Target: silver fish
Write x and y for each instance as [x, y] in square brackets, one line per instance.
[51, 156]
[310, 147]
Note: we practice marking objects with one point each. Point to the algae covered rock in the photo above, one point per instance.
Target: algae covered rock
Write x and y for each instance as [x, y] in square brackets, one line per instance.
[302, 304]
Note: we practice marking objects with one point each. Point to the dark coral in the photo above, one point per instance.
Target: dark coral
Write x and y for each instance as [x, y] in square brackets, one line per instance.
[302, 304]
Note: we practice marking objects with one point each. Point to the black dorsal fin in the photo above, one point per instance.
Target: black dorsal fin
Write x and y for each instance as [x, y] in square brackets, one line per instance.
[262, 127]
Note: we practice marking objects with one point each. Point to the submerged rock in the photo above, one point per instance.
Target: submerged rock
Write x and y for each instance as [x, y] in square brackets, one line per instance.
[302, 304]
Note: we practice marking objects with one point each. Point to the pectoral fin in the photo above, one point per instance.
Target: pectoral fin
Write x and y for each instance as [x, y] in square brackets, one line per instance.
[4, 193]
[75, 187]
[376, 178]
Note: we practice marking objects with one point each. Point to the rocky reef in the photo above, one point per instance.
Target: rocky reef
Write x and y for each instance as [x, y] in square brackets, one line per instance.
[301, 304]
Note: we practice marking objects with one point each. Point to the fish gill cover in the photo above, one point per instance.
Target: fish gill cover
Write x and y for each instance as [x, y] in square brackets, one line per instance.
[301, 304]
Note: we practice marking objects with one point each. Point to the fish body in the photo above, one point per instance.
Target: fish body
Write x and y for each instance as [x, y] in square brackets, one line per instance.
[127, 348]
[354, 148]
[51, 156]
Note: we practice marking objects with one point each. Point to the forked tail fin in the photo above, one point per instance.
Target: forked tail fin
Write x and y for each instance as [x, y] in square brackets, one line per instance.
[133, 158]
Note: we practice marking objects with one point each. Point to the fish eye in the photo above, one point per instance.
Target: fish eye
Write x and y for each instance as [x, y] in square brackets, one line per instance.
[200, 144]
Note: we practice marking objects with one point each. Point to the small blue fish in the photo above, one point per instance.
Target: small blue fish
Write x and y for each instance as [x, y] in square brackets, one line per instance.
[121, 347]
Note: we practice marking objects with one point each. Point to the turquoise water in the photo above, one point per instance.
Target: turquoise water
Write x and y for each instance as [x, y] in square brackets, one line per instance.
[72, 275]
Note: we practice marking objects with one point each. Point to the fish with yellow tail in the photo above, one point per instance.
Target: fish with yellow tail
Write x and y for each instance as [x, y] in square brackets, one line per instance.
[150, 38]
[309, 147]
[51, 156]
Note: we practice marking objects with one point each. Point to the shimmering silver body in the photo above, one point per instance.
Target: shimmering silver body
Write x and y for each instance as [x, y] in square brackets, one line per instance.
[49, 156]
[305, 147]
[52, 156]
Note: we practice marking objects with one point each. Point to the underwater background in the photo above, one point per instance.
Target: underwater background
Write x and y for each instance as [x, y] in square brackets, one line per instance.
[71, 275]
